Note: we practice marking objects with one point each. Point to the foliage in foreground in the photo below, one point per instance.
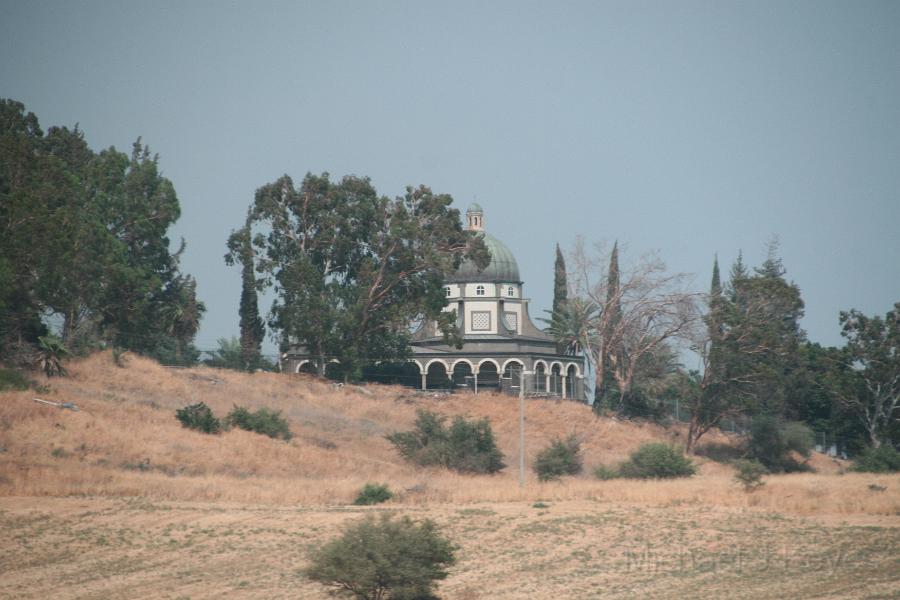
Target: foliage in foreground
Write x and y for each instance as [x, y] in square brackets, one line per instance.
[561, 457]
[199, 417]
[883, 459]
[657, 460]
[373, 493]
[749, 473]
[466, 446]
[384, 558]
[264, 421]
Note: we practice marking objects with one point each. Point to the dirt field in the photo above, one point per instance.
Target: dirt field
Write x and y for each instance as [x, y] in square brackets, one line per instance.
[133, 548]
[119, 501]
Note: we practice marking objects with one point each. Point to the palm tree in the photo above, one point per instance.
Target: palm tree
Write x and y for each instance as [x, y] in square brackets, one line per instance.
[571, 325]
[51, 352]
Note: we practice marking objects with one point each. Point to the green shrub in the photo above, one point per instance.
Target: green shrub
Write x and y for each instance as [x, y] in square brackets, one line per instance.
[749, 473]
[720, 452]
[773, 442]
[657, 460]
[200, 417]
[604, 473]
[10, 380]
[264, 421]
[465, 446]
[561, 457]
[384, 558]
[883, 459]
[373, 493]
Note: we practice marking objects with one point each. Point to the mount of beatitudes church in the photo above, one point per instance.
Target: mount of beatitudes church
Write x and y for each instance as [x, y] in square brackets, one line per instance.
[499, 338]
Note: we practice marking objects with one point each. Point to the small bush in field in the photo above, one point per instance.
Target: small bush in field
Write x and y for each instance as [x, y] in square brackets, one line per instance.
[465, 446]
[883, 459]
[11, 379]
[561, 457]
[382, 558]
[749, 474]
[657, 460]
[373, 493]
[199, 417]
[773, 443]
[264, 421]
[604, 473]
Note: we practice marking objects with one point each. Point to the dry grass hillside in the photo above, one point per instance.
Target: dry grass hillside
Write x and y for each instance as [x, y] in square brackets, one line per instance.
[118, 500]
[125, 441]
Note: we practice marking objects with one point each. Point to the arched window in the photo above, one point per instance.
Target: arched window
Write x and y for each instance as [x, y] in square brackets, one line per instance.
[479, 291]
[447, 291]
[510, 291]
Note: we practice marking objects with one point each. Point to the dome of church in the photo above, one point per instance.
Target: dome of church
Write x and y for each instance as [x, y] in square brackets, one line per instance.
[503, 267]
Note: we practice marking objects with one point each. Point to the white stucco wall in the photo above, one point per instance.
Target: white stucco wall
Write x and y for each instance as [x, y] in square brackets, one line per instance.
[490, 290]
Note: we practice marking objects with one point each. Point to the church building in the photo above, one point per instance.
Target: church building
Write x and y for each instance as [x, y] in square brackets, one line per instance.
[499, 338]
[501, 345]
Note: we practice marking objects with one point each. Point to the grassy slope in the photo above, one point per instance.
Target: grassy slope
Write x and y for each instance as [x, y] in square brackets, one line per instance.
[119, 501]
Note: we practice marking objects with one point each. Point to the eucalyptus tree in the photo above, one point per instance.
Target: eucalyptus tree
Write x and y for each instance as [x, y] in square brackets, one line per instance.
[873, 354]
[351, 269]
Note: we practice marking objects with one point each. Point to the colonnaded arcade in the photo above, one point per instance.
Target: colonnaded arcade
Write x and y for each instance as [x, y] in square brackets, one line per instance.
[501, 345]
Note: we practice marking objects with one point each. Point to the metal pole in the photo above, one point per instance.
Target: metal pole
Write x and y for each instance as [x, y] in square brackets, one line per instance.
[521, 432]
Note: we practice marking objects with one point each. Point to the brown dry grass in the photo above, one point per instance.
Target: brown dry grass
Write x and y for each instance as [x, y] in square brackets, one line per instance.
[126, 442]
[119, 501]
[66, 548]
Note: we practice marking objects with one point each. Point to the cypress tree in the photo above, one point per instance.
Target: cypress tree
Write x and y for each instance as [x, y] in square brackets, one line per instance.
[613, 297]
[716, 288]
[560, 285]
[252, 330]
[613, 308]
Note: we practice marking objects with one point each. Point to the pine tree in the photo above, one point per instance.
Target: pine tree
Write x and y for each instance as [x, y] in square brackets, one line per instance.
[773, 267]
[738, 269]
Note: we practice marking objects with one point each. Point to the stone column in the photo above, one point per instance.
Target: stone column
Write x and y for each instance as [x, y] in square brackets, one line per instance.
[425, 380]
[563, 385]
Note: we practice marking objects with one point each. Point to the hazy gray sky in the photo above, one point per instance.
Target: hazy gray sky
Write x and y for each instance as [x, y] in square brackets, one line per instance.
[686, 127]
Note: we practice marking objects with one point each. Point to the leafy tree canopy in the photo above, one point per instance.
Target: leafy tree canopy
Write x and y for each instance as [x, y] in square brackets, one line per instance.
[83, 241]
[351, 269]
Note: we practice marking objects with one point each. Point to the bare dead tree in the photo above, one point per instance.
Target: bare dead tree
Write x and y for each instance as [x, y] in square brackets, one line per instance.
[643, 309]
